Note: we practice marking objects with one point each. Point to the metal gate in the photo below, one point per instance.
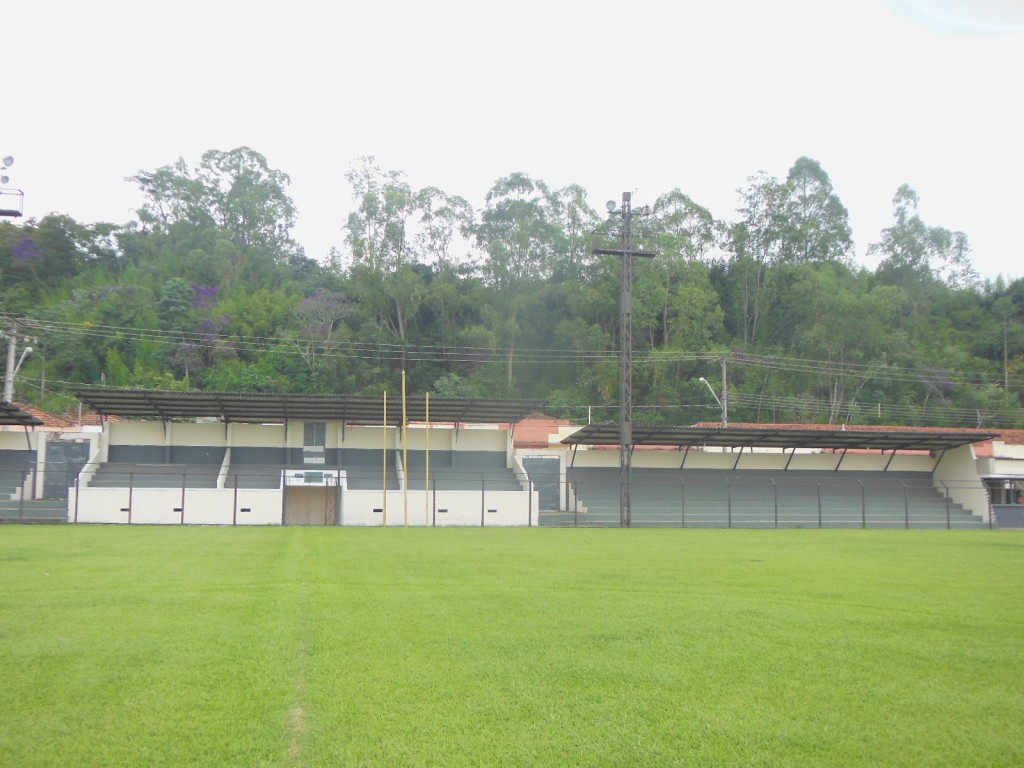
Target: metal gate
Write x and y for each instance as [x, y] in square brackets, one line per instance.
[544, 473]
[64, 460]
[310, 506]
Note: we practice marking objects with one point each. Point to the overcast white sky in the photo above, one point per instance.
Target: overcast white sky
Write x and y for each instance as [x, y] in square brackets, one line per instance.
[613, 96]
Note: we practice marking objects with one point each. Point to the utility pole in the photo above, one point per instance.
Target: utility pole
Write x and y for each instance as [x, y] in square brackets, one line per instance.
[12, 351]
[627, 253]
[13, 362]
[725, 394]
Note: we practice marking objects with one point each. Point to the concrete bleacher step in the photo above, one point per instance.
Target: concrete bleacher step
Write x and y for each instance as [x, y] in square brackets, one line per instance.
[35, 511]
[488, 478]
[765, 498]
[119, 475]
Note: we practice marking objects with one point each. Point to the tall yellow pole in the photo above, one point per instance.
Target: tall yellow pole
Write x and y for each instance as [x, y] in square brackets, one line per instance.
[384, 480]
[426, 475]
[405, 455]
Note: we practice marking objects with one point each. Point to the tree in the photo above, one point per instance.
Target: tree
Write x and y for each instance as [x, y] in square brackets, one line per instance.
[175, 306]
[172, 195]
[235, 191]
[799, 221]
[117, 372]
[850, 326]
[685, 230]
[517, 232]
[819, 226]
[686, 234]
[319, 319]
[1010, 315]
[575, 222]
[757, 242]
[247, 198]
[443, 220]
[377, 230]
[913, 252]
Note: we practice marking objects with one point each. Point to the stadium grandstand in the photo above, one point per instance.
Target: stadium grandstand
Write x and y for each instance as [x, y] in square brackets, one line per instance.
[153, 457]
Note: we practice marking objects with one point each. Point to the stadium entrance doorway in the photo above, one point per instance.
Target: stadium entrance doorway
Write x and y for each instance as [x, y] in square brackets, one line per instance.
[310, 506]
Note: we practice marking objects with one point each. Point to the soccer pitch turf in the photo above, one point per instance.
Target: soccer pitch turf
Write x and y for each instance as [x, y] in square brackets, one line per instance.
[182, 646]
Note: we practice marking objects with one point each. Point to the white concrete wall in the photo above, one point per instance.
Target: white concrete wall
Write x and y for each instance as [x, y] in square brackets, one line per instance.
[260, 507]
[500, 508]
[463, 508]
[479, 439]
[98, 505]
[205, 434]
[19, 440]
[163, 506]
[442, 437]
[362, 437]
[256, 435]
[357, 508]
[957, 474]
[1011, 451]
[135, 433]
[1000, 468]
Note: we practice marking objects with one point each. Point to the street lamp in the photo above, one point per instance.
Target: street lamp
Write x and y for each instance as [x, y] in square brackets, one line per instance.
[24, 353]
[725, 418]
[12, 369]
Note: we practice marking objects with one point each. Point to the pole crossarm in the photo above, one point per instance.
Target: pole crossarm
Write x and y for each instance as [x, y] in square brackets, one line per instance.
[620, 252]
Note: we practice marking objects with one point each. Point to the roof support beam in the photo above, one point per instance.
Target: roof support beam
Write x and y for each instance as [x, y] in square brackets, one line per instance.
[685, 454]
[889, 462]
[840, 462]
[738, 455]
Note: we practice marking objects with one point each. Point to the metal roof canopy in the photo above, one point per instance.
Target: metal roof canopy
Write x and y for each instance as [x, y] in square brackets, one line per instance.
[13, 416]
[255, 407]
[768, 436]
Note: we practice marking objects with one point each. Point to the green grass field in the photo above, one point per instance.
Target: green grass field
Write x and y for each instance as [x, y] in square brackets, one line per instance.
[478, 647]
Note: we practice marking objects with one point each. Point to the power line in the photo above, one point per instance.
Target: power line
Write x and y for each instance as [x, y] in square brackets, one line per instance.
[392, 352]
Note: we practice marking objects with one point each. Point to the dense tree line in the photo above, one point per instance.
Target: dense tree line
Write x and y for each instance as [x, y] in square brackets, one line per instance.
[206, 289]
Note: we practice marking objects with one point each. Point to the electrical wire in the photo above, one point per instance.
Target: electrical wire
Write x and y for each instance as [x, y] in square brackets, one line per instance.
[381, 352]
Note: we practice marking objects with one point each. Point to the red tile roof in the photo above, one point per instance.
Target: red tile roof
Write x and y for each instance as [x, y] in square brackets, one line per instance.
[851, 427]
[50, 420]
[987, 450]
[536, 431]
[54, 422]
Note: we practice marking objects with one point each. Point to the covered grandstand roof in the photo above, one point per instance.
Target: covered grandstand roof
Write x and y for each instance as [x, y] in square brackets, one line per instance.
[12, 415]
[254, 407]
[784, 436]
